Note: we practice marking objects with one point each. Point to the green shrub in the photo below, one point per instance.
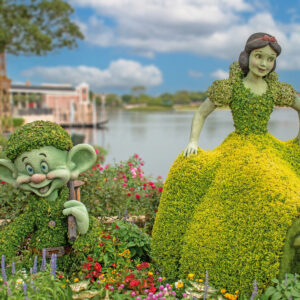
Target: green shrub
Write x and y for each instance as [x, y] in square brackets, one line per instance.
[17, 122]
[122, 188]
[133, 238]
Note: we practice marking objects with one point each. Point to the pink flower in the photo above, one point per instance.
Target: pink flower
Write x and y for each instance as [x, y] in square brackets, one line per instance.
[150, 183]
[115, 178]
[136, 156]
[98, 166]
[124, 184]
[96, 150]
[146, 195]
[106, 166]
[101, 169]
[94, 168]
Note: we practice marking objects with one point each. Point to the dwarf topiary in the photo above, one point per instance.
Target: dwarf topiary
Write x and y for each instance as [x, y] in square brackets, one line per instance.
[234, 211]
[41, 160]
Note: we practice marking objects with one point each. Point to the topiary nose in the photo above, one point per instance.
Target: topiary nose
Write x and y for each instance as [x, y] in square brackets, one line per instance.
[37, 178]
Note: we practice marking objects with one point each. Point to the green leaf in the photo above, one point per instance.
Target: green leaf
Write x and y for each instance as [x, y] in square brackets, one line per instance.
[270, 291]
[276, 296]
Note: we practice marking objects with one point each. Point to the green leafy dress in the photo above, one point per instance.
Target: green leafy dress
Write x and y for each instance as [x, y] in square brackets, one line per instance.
[233, 211]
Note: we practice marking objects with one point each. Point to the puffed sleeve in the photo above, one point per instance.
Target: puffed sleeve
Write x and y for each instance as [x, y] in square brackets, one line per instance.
[285, 94]
[220, 92]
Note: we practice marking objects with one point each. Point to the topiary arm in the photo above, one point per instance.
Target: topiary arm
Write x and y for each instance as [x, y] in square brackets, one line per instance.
[12, 235]
[296, 106]
[201, 114]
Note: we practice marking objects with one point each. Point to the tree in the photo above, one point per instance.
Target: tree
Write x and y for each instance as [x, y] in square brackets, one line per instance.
[138, 90]
[36, 26]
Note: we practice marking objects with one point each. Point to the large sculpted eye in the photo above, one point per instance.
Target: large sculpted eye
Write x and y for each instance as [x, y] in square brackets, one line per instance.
[29, 169]
[44, 167]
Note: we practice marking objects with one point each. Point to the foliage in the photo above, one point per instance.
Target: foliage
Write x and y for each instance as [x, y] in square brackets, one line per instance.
[35, 135]
[101, 153]
[113, 100]
[17, 122]
[134, 239]
[36, 285]
[217, 203]
[126, 98]
[13, 202]
[181, 97]
[6, 122]
[36, 26]
[288, 288]
[113, 190]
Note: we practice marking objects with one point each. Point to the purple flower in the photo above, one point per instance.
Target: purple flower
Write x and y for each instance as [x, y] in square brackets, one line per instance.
[34, 270]
[25, 289]
[13, 268]
[53, 265]
[159, 279]
[3, 268]
[44, 261]
[255, 290]
[161, 287]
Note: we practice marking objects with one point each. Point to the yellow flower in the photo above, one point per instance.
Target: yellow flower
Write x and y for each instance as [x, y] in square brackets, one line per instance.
[223, 291]
[150, 273]
[164, 278]
[67, 280]
[179, 284]
[236, 292]
[200, 280]
[63, 286]
[76, 279]
[191, 276]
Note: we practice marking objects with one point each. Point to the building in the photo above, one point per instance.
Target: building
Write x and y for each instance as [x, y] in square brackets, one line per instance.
[60, 103]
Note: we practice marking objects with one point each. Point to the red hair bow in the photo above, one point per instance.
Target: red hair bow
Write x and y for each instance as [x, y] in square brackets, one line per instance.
[268, 39]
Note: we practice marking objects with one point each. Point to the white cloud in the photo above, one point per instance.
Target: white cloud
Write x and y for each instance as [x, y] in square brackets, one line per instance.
[217, 28]
[219, 74]
[120, 74]
[195, 74]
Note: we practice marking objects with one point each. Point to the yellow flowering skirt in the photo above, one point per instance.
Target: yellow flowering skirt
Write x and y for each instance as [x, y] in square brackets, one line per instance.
[228, 211]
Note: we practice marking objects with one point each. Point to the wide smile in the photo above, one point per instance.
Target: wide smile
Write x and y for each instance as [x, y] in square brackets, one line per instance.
[44, 189]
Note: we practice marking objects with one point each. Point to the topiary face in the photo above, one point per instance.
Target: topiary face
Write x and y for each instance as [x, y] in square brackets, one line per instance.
[42, 159]
[43, 171]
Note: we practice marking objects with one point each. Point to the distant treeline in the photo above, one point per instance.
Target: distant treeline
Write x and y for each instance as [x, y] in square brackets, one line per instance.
[165, 100]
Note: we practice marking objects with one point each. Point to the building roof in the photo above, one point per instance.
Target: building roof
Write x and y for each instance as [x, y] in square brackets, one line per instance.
[41, 88]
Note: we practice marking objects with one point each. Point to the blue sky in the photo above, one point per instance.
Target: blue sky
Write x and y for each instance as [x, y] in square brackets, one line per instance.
[164, 45]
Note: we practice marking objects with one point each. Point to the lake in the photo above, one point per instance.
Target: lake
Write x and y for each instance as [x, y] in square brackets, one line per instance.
[158, 137]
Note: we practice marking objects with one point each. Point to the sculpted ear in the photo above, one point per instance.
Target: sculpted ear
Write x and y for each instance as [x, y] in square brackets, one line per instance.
[80, 158]
[8, 172]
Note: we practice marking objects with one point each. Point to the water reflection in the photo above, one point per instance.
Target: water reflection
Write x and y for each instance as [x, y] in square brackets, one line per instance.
[158, 137]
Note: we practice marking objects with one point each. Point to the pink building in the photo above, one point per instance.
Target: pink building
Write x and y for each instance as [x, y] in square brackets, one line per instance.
[60, 103]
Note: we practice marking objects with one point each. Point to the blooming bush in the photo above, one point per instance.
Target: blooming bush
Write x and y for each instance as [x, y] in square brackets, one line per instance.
[36, 284]
[121, 189]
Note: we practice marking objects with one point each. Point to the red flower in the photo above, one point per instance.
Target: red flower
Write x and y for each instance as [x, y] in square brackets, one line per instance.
[160, 189]
[128, 194]
[94, 168]
[101, 244]
[134, 282]
[114, 265]
[98, 267]
[2, 182]
[117, 227]
[137, 196]
[152, 288]
[142, 266]
[150, 183]
[130, 277]
[131, 189]
[89, 258]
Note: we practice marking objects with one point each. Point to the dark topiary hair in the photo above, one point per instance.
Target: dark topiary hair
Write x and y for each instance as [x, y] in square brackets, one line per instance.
[254, 42]
[36, 135]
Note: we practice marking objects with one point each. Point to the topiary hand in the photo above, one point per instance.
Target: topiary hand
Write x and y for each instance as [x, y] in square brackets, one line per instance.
[78, 210]
[192, 148]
